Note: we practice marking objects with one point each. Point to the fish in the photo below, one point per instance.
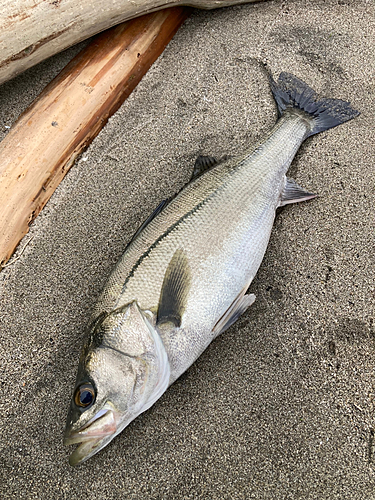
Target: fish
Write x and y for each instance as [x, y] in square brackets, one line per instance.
[183, 279]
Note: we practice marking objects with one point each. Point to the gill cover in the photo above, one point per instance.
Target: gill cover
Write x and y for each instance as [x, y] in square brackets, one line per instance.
[122, 371]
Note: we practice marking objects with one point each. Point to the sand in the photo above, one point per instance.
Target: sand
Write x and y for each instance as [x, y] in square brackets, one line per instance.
[281, 406]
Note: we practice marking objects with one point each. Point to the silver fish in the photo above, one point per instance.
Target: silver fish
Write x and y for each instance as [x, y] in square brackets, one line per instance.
[183, 278]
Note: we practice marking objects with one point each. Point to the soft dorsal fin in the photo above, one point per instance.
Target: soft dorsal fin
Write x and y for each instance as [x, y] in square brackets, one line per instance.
[203, 163]
[174, 291]
[293, 193]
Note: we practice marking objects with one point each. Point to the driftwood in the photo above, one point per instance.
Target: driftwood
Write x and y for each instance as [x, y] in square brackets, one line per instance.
[47, 138]
[32, 30]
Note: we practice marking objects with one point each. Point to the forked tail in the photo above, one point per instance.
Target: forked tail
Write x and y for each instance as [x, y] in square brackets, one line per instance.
[291, 92]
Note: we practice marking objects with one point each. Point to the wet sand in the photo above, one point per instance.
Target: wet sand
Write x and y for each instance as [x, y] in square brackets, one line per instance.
[281, 406]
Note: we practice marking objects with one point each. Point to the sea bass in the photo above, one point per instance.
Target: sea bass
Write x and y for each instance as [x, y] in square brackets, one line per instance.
[183, 278]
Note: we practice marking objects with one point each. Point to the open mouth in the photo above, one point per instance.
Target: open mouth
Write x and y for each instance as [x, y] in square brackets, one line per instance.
[92, 437]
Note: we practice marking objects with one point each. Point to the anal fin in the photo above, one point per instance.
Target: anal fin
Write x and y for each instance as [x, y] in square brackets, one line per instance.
[293, 193]
[238, 307]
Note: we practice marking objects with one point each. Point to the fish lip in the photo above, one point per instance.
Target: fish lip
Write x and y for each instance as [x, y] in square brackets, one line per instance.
[87, 449]
[93, 436]
[73, 437]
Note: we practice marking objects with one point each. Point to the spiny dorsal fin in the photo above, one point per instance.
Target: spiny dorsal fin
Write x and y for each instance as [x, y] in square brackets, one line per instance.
[152, 216]
[293, 193]
[174, 291]
[203, 163]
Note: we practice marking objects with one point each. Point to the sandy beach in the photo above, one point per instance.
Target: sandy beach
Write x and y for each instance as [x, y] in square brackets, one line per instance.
[282, 405]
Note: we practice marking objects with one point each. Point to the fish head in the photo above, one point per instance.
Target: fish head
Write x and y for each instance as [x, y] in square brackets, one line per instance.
[123, 370]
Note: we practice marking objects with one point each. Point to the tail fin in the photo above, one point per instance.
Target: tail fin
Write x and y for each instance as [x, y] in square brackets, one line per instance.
[291, 92]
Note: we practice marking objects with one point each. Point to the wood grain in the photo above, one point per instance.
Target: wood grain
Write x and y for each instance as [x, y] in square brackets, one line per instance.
[47, 138]
[32, 30]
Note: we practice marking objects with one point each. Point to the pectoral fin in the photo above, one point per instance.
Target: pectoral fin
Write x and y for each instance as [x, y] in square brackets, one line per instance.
[238, 307]
[175, 289]
[293, 193]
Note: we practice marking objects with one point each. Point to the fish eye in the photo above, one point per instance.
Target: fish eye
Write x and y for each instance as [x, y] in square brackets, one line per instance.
[84, 395]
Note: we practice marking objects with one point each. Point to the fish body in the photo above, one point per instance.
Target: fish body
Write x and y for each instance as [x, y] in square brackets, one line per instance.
[183, 278]
[222, 222]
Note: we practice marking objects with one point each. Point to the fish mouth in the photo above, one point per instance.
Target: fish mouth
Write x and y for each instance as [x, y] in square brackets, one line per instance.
[93, 436]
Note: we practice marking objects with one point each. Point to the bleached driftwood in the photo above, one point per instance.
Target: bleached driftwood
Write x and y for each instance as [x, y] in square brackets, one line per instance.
[47, 138]
[32, 30]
